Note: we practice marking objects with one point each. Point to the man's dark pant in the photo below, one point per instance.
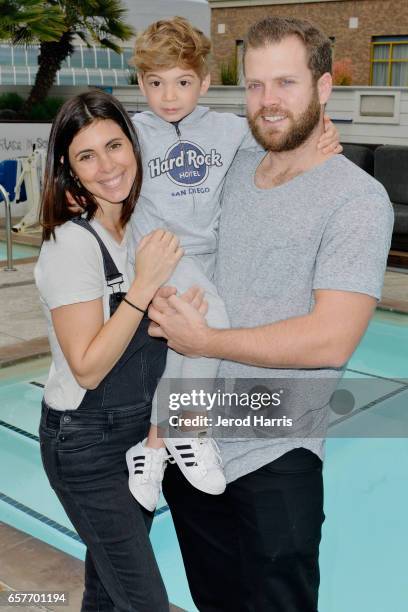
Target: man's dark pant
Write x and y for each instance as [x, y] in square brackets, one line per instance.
[255, 548]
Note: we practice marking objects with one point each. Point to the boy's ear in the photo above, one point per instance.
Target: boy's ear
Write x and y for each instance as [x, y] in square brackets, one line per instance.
[205, 83]
[140, 83]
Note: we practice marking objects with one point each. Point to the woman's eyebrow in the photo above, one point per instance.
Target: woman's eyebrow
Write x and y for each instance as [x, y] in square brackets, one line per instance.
[106, 145]
[83, 151]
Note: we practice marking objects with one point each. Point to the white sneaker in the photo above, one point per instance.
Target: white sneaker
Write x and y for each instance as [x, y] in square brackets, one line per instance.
[146, 468]
[199, 460]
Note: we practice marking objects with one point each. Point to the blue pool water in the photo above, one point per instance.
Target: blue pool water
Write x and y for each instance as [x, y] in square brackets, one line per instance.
[19, 251]
[364, 548]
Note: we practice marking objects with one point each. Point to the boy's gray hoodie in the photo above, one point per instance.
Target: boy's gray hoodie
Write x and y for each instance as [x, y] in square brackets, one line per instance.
[184, 166]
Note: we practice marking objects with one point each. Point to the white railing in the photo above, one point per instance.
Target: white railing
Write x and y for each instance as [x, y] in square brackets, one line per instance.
[9, 267]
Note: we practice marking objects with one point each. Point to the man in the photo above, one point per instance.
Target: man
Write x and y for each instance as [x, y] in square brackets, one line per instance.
[303, 244]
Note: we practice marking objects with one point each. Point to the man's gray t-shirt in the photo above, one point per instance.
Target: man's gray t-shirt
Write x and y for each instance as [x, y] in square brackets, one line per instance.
[328, 228]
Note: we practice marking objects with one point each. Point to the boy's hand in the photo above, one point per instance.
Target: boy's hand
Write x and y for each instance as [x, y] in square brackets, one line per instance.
[329, 141]
[73, 205]
[193, 296]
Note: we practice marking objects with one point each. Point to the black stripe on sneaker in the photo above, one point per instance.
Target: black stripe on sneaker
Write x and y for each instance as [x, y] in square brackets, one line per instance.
[190, 463]
[183, 447]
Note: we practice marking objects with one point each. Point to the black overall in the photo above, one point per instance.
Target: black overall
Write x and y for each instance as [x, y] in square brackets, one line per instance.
[83, 453]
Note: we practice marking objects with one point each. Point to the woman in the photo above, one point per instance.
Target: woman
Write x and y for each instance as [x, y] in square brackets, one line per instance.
[105, 367]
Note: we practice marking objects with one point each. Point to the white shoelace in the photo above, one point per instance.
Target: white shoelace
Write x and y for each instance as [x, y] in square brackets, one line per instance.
[154, 467]
[207, 453]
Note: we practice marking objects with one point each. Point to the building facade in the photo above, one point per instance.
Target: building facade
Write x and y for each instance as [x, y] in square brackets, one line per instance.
[372, 33]
[86, 66]
[96, 65]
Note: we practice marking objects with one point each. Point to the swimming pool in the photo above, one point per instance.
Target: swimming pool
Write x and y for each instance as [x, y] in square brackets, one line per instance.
[20, 251]
[363, 552]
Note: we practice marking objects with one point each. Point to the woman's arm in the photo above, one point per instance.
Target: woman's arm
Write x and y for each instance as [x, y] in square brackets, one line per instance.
[91, 347]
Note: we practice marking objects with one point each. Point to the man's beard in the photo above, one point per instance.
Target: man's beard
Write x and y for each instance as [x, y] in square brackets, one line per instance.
[297, 133]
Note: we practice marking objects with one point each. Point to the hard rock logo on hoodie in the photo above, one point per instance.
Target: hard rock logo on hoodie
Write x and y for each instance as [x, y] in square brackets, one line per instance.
[185, 163]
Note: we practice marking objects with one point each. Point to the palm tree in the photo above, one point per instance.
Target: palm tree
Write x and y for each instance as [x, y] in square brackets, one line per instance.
[55, 23]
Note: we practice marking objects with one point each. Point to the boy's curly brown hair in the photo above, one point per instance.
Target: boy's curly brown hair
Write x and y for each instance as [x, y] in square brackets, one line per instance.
[169, 43]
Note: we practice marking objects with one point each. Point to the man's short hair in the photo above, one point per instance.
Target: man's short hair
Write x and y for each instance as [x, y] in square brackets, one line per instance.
[171, 43]
[274, 29]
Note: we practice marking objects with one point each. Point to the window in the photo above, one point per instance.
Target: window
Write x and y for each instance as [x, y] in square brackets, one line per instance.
[116, 60]
[389, 61]
[22, 75]
[109, 77]
[81, 76]
[19, 56]
[102, 57]
[7, 76]
[123, 77]
[95, 77]
[66, 77]
[239, 49]
[88, 57]
[32, 55]
[127, 56]
[5, 55]
[75, 59]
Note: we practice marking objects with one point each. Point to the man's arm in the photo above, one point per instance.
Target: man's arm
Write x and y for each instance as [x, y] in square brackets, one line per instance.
[326, 337]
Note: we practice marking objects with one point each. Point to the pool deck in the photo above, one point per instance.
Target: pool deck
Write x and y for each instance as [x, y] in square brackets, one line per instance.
[23, 333]
[23, 337]
[27, 564]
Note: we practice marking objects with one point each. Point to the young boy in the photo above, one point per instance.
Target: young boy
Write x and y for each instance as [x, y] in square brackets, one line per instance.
[186, 151]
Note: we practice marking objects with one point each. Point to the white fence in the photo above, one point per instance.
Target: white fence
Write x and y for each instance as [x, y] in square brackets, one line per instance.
[365, 115]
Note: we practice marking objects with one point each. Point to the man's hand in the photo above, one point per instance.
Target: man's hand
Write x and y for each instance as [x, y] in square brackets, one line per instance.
[181, 320]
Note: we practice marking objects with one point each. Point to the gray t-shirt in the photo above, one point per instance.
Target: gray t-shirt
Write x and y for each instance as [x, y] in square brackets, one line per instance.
[329, 228]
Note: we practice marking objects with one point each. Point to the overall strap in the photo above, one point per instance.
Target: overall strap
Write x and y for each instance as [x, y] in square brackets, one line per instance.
[112, 274]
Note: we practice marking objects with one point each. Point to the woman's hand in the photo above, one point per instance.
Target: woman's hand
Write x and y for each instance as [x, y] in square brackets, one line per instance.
[329, 141]
[157, 256]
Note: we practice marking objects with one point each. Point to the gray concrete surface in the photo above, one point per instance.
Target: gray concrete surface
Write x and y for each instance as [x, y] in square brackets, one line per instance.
[23, 331]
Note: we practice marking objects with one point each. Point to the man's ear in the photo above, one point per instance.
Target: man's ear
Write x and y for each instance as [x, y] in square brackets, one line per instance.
[205, 83]
[140, 83]
[324, 87]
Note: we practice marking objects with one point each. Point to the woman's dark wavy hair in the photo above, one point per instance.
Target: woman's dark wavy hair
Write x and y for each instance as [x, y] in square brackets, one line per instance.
[74, 115]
